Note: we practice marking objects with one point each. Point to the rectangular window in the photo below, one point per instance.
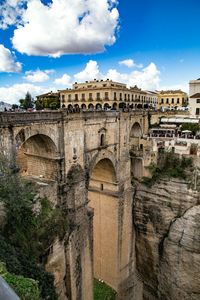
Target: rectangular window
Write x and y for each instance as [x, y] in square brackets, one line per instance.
[125, 97]
[197, 111]
[128, 97]
[63, 98]
[76, 97]
[115, 96]
[178, 101]
[69, 97]
[83, 97]
[120, 95]
[172, 100]
[106, 95]
[198, 100]
[98, 96]
[167, 100]
[90, 96]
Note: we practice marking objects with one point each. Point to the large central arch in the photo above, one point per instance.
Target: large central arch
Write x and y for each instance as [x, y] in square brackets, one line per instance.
[103, 198]
[38, 157]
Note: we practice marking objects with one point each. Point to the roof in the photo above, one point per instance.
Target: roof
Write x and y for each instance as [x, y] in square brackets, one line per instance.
[179, 120]
[197, 95]
[50, 94]
[171, 92]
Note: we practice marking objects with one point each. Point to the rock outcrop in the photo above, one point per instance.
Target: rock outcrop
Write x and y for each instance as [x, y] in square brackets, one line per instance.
[166, 218]
[180, 265]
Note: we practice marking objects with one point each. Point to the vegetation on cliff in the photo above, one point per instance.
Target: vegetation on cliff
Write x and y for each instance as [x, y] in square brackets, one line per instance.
[26, 288]
[29, 228]
[171, 166]
[103, 291]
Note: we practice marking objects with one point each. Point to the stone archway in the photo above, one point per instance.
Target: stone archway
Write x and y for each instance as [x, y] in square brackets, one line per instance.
[136, 151]
[103, 198]
[136, 130]
[38, 157]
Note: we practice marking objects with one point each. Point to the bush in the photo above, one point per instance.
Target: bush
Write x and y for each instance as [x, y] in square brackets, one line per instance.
[170, 166]
[26, 234]
[25, 288]
[103, 291]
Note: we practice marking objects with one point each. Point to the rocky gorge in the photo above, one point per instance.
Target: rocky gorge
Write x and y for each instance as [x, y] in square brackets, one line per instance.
[167, 224]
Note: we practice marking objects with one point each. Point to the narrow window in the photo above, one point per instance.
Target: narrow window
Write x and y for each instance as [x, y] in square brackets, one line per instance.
[102, 142]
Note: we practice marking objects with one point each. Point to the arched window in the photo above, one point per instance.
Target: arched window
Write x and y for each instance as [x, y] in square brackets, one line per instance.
[102, 140]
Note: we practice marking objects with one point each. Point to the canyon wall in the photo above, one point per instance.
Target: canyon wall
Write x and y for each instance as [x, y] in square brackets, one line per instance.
[167, 224]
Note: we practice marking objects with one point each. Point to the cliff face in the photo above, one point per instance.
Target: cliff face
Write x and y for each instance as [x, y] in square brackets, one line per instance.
[167, 223]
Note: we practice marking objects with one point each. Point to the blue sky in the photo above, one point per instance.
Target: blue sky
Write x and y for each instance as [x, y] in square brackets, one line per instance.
[154, 44]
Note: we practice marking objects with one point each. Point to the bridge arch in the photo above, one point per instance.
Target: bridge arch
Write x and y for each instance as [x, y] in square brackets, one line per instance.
[103, 198]
[105, 154]
[136, 130]
[37, 156]
[25, 133]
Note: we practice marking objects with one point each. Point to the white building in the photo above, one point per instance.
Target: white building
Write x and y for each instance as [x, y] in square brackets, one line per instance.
[194, 97]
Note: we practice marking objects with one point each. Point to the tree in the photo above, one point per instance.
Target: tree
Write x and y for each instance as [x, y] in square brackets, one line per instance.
[49, 101]
[15, 106]
[190, 126]
[27, 233]
[27, 102]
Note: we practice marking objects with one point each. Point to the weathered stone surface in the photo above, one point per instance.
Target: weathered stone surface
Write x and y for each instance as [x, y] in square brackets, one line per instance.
[156, 208]
[179, 270]
[56, 265]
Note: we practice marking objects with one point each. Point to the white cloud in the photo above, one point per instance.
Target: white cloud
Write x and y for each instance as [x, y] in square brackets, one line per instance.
[11, 12]
[181, 86]
[7, 61]
[38, 75]
[13, 93]
[130, 63]
[90, 72]
[63, 80]
[64, 27]
[127, 62]
[147, 78]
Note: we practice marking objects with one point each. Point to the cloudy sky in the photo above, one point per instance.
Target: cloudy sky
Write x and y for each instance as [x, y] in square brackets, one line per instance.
[47, 45]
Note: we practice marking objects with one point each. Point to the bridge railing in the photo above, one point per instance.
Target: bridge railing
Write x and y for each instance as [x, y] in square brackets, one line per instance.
[23, 117]
[11, 118]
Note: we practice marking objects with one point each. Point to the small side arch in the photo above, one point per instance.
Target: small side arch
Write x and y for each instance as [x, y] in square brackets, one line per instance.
[136, 130]
[37, 156]
[75, 192]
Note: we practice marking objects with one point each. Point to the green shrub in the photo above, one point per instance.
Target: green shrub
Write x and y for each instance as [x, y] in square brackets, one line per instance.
[171, 166]
[27, 235]
[103, 291]
[25, 288]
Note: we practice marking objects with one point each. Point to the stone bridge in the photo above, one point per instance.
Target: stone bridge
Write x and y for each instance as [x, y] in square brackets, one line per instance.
[82, 161]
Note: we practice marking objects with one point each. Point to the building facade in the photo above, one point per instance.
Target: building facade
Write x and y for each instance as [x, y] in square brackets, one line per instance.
[48, 100]
[194, 87]
[172, 99]
[194, 97]
[106, 94]
[194, 105]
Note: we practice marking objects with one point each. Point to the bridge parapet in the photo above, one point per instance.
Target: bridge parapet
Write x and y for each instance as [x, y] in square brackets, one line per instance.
[11, 118]
[28, 117]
